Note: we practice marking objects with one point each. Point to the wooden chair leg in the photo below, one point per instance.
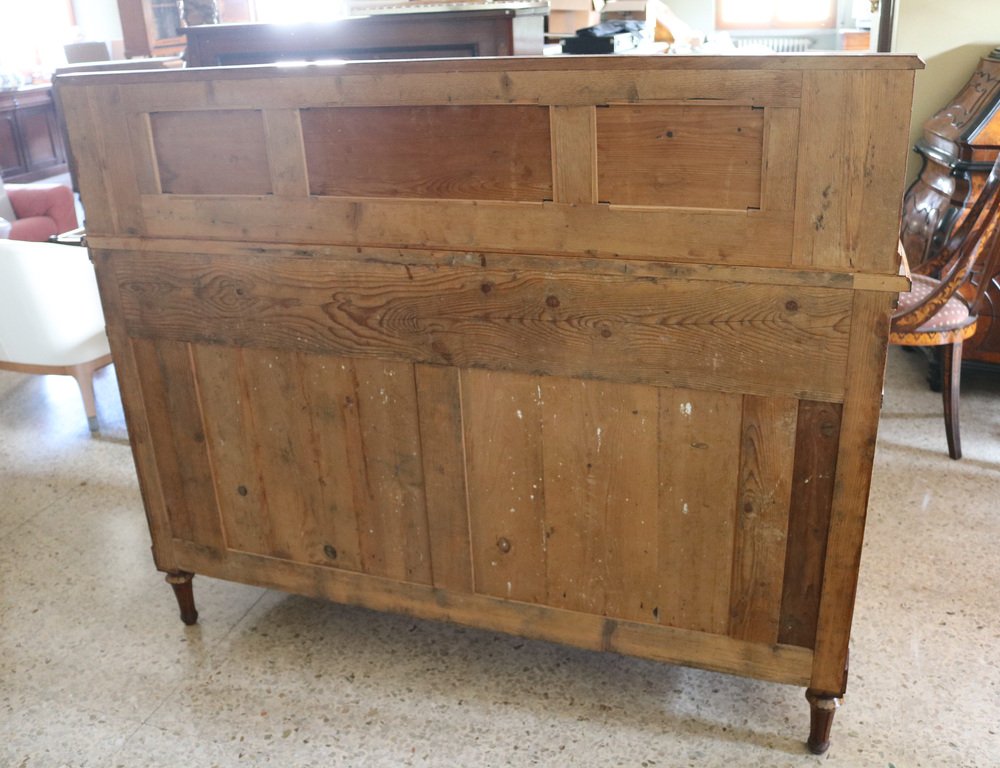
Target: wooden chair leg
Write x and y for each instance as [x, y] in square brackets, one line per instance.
[84, 375]
[952, 380]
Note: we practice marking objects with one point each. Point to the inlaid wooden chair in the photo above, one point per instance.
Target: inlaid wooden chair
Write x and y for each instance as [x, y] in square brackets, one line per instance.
[942, 307]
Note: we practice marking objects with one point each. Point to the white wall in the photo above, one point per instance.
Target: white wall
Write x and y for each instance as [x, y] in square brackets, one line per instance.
[950, 38]
[98, 19]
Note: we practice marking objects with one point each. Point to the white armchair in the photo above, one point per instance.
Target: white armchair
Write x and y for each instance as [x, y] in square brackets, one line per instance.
[51, 320]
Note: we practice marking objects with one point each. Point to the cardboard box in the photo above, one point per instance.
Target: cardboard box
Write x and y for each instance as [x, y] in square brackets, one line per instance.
[567, 16]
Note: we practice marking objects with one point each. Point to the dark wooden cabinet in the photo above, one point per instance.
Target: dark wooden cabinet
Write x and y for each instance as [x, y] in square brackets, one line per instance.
[151, 27]
[958, 147]
[31, 145]
[499, 29]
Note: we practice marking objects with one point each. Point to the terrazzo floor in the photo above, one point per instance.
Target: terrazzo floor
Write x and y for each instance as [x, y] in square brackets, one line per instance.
[97, 670]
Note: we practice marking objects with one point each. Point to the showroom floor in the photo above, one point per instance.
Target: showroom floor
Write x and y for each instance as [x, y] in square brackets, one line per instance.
[97, 670]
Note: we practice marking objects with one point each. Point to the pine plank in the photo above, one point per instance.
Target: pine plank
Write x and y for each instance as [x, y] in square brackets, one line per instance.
[855, 455]
[392, 522]
[609, 232]
[355, 152]
[766, 458]
[816, 440]
[849, 189]
[695, 334]
[574, 154]
[699, 433]
[178, 438]
[599, 454]
[442, 449]
[504, 460]
[778, 663]
[285, 152]
[781, 158]
[229, 433]
[215, 152]
[697, 156]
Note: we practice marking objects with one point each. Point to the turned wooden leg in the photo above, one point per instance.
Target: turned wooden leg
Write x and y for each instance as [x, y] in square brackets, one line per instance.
[181, 582]
[951, 365]
[822, 707]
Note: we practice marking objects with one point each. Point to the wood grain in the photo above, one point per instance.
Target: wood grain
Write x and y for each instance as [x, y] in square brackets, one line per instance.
[357, 152]
[855, 455]
[816, 441]
[503, 439]
[215, 152]
[699, 434]
[766, 458]
[599, 452]
[574, 154]
[753, 338]
[178, 437]
[680, 156]
[285, 152]
[849, 192]
[779, 663]
[695, 236]
[442, 450]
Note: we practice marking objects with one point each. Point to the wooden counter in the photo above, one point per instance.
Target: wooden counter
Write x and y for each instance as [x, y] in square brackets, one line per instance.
[586, 349]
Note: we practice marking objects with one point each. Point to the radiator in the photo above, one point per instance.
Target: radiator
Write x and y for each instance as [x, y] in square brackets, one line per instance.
[777, 44]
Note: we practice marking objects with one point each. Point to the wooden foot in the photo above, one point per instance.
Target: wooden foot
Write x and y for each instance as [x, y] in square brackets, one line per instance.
[181, 582]
[822, 707]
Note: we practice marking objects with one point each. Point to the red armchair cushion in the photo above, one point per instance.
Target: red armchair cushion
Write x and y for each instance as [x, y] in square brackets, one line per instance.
[41, 211]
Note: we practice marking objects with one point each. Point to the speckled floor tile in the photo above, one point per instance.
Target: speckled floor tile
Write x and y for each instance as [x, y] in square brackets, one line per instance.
[96, 669]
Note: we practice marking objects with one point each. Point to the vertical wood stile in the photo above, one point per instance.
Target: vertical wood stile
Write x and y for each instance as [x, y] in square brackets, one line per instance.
[850, 175]
[227, 411]
[286, 155]
[863, 400]
[86, 143]
[816, 440]
[503, 439]
[117, 162]
[328, 385]
[281, 440]
[766, 459]
[136, 413]
[781, 159]
[574, 154]
[442, 449]
[392, 521]
[147, 172]
[699, 433]
[178, 438]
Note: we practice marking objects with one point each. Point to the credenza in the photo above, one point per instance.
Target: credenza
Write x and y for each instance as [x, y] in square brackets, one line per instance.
[587, 350]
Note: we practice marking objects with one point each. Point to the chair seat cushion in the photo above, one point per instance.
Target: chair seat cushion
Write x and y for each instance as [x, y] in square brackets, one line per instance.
[952, 316]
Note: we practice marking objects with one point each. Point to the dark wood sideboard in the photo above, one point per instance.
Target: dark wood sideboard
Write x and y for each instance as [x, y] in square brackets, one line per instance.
[958, 146]
[500, 29]
[31, 145]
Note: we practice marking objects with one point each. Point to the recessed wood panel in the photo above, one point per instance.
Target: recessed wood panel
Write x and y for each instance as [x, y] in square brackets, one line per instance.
[680, 156]
[214, 152]
[462, 152]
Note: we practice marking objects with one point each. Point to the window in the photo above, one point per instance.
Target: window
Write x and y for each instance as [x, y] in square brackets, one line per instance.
[32, 35]
[775, 14]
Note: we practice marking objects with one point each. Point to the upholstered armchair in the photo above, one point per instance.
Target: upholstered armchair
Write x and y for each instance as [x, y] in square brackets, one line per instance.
[37, 212]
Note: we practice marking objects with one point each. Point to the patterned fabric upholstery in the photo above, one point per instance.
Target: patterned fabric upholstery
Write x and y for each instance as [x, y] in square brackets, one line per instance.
[954, 314]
